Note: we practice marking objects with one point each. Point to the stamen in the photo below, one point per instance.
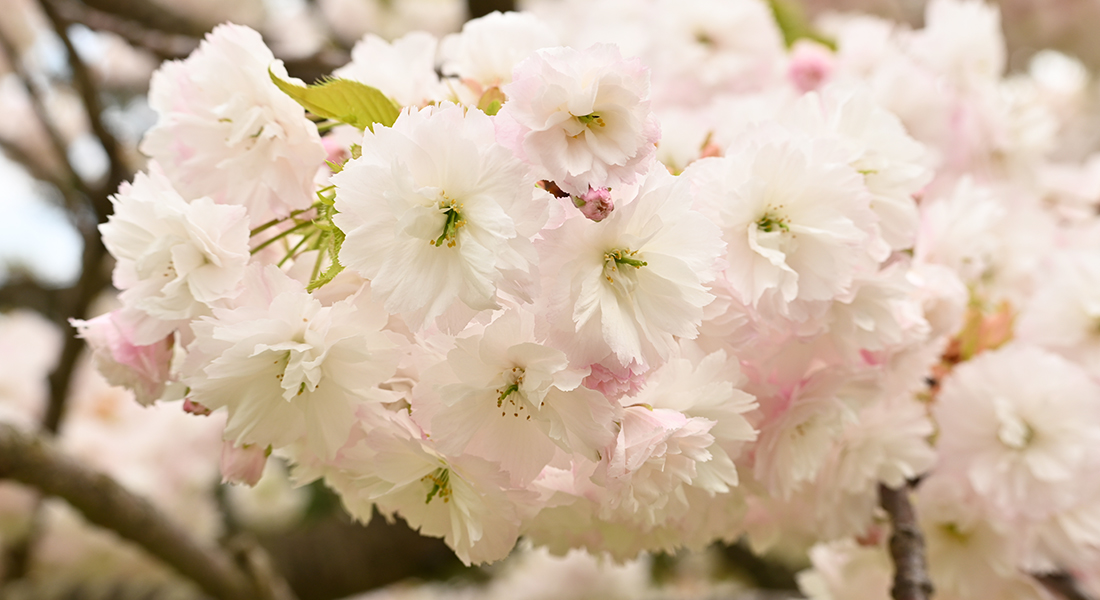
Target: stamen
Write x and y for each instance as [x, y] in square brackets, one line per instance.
[450, 227]
[441, 484]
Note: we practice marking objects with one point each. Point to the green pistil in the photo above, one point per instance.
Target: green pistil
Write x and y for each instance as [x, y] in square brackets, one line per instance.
[441, 486]
[770, 223]
[505, 392]
[622, 257]
[450, 228]
[587, 120]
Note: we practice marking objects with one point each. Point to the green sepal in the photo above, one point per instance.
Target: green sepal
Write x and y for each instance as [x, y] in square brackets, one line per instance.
[491, 101]
[343, 100]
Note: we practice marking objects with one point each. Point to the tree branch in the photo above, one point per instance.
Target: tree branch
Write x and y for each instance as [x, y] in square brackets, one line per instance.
[911, 581]
[480, 8]
[1063, 584]
[165, 45]
[38, 104]
[85, 85]
[34, 461]
[150, 14]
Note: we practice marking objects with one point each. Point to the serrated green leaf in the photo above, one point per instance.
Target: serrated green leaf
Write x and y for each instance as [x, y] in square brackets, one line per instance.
[343, 100]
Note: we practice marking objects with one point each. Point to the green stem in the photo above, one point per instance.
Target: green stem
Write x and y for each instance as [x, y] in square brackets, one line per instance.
[293, 250]
[281, 236]
[277, 220]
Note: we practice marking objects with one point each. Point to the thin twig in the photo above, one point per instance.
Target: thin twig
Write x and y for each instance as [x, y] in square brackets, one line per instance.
[34, 461]
[911, 580]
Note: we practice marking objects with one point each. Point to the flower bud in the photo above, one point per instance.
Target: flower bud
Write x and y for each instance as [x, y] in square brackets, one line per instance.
[595, 204]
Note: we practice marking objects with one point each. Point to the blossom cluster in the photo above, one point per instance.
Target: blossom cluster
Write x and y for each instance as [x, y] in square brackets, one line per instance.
[638, 285]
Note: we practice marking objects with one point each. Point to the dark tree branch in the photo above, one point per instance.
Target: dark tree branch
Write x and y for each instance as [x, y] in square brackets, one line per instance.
[911, 580]
[165, 45]
[38, 104]
[34, 461]
[1063, 584]
[149, 14]
[85, 85]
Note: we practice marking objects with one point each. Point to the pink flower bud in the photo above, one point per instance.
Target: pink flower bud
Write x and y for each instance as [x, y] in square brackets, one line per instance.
[190, 406]
[811, 64]
[244, 464]
[595, 204]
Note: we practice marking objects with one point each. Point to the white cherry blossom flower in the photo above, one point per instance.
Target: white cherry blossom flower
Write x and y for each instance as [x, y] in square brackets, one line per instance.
[1020, 424]
[490, 47]
[291, 368]
[174, 259]
[506, 398]
[891, 162]
[795, 217]
[581, 118]
[623, 289]
[466, 500]
[404, 70]
[438, 216]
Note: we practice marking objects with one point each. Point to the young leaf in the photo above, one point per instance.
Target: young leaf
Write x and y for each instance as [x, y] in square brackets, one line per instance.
[343, 100]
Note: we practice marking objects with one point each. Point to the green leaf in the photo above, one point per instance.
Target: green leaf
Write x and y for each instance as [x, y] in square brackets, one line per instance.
[343, 100]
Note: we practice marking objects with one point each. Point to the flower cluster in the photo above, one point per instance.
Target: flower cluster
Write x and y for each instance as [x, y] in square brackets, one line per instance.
[563, 296]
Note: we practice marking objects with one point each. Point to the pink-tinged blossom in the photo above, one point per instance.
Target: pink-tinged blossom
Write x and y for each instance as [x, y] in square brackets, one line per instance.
[504, 397]
[242, 464]
[581, 117]
[709, 386]
[657, 454]
[174, 259]
[621, 291]
[438, 216]
[795, 441]
[1020, 425]
[290, 368]
[226, 131]
[143, 369]
[614, 382]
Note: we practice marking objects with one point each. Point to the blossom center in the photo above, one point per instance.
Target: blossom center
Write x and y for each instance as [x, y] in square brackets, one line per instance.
[1013, 432]
[440, 480]
[509, 393]
[589, 119]
[770, 222]
[454, 220]
[615, 266]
